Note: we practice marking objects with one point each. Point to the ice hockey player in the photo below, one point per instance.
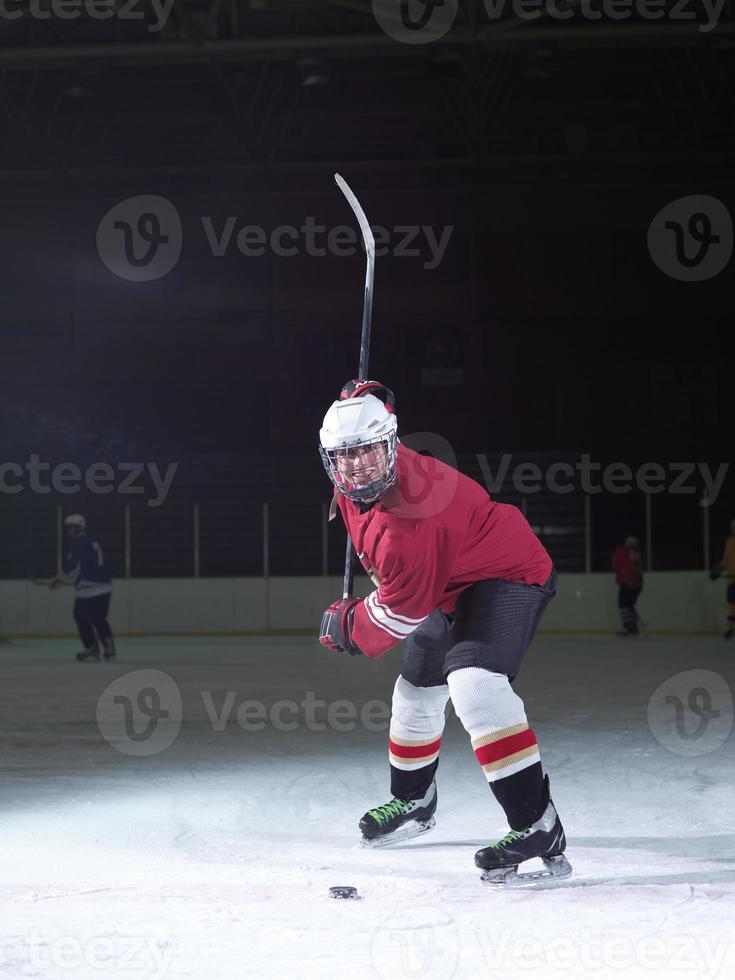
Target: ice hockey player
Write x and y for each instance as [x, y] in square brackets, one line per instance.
[628, 567]
[726, 566]
[84, 565]
[464, 581]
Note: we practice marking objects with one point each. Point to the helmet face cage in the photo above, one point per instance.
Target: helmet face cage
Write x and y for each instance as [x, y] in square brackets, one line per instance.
[345, 482]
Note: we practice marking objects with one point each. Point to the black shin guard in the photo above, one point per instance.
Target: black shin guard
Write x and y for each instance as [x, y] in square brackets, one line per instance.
[411, 785]
[523, 796]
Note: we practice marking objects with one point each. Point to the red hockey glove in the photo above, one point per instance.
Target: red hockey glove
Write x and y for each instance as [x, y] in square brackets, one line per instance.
[335, 631]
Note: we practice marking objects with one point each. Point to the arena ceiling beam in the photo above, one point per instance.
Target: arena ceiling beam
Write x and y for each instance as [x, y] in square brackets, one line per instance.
[197, 49]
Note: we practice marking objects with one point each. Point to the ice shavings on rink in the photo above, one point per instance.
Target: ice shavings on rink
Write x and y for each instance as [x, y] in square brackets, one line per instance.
[212, 857]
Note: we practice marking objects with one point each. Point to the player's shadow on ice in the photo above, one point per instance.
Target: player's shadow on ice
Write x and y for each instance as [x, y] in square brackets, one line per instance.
[583, 878]
[425, 845]
[713, 847]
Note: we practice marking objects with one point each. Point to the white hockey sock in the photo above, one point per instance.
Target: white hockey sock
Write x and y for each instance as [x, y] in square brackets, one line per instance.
[416, 725]
[495, 719]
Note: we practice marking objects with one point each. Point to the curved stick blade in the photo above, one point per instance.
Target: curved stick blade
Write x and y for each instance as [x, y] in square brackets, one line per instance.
[367, 233]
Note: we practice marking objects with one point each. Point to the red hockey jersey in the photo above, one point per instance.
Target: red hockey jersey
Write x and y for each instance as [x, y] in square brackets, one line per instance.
[627, 565]
[433, 535]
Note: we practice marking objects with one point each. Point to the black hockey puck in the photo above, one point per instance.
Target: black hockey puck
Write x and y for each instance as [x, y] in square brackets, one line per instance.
[343, 891]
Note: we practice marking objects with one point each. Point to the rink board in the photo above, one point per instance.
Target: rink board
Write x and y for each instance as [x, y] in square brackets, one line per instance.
[671, 602]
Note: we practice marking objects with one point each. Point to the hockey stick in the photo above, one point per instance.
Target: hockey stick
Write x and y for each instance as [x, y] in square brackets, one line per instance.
[44, 581]
[367, 310]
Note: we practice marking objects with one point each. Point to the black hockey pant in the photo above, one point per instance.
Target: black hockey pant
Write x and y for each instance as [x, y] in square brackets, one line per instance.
[627, 598]
[91, 617]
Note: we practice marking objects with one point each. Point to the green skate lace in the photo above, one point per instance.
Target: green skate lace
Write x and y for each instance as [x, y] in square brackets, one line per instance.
[388, 810]
[509, 838]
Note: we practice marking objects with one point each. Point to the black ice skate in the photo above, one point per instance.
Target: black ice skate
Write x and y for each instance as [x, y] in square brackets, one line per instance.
[109, 648]
[544, 838]
[399, 820]
[90, 655]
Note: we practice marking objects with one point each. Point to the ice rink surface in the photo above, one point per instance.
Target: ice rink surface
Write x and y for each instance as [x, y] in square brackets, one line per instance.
[183, 812]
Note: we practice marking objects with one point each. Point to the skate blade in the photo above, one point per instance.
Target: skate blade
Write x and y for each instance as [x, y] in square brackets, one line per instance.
[556, 867]
[413, 829]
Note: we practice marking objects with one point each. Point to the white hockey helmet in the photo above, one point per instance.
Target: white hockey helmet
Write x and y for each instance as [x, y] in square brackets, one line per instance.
[632, 542]
[75, 520]
[359, 420]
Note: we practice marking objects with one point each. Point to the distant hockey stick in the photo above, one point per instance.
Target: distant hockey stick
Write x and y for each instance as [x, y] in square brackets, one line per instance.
[45, 581]
[367, 310]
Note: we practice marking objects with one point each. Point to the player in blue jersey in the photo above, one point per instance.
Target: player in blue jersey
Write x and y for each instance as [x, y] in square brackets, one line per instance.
[84, 566]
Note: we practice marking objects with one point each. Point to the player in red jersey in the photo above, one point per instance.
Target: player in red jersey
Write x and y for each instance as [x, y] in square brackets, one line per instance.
[627, 564]
[464, 581]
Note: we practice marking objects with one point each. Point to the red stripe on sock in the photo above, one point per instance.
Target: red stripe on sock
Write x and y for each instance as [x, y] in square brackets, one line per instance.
[494, 751]
[414, 751]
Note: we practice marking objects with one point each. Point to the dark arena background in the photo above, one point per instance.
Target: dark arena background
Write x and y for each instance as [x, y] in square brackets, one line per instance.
[550, 188]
